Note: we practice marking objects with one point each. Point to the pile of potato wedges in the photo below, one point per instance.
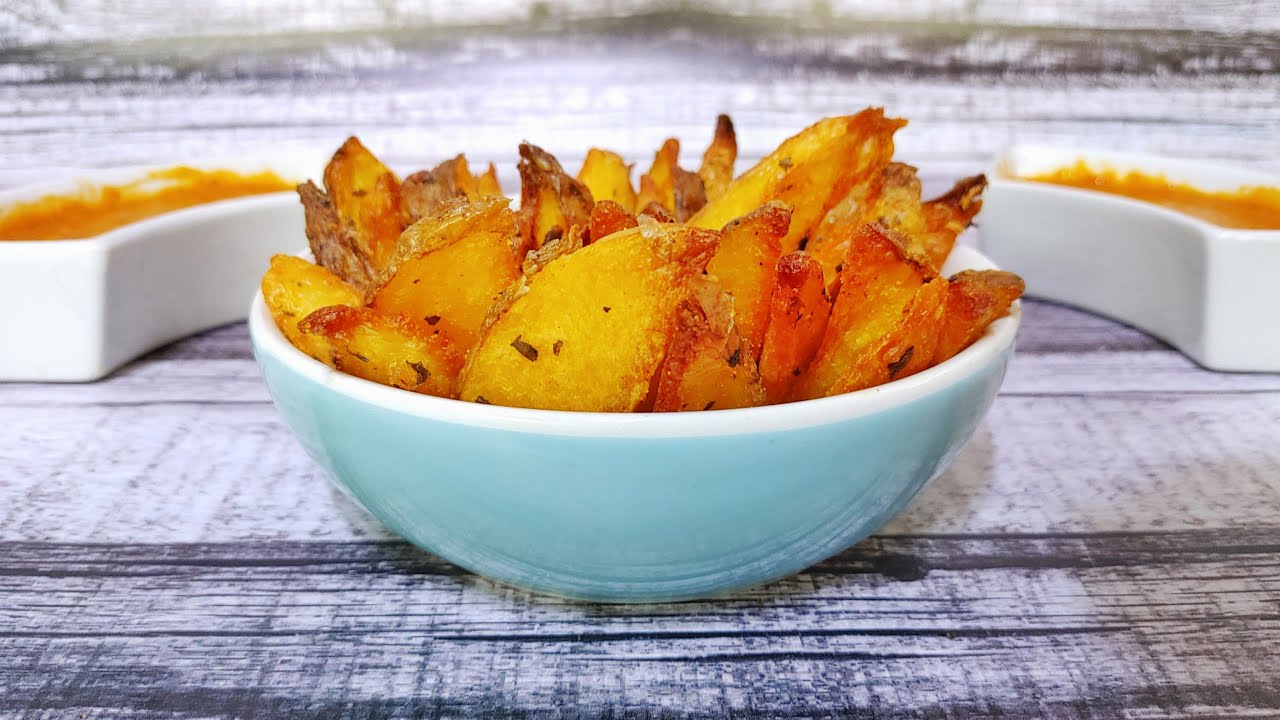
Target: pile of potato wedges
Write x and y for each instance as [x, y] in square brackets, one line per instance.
[816, 272]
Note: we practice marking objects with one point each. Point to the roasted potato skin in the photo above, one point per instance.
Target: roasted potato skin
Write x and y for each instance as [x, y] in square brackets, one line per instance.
[333, 244]
[550, 199]
[716, 170]
[709, 364]
[366, 195]
[975, 299]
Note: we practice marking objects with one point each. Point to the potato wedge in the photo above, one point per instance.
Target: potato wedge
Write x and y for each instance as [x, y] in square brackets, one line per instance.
[550, 199]
[450, 266]
[607, 218]
[975, 299]
[798, 314]
[388, 349]
[333, 243]
[878, 280]
[709, 364]
[608, 177]
[811, 172]
[293, 289]
[426, 190]
[947, 215]
[906, 349]
[675, 189]
[716, 170]
[366, 194]
[589, 331]
[745, 266]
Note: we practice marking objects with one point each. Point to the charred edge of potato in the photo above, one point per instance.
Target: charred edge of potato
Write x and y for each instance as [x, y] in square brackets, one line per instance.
[607, 218]
[555, 249]
[655, 210]
[774, 217]
[539, 168]
[426, 190]
[333, 243]
[690, 193]
[907, 250]
[965, 197]
[975, 299]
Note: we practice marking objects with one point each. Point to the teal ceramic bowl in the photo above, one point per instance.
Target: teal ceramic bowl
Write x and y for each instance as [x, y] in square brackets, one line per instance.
[634, 508]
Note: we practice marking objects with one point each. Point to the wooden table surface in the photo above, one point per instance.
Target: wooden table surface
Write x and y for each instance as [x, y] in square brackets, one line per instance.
[1107, 545]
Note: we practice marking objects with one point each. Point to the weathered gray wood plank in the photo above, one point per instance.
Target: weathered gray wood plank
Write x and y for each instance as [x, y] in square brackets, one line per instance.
[1023, 626]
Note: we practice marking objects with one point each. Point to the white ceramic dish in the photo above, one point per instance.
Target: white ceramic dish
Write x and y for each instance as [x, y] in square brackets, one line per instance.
[78, 309]
[1209, 291]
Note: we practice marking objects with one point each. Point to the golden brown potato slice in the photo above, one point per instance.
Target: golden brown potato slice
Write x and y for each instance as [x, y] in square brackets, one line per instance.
[449, 267]
[426, 190]
[589, 331]
[608, 177]
[946, 216]
[389, 349]
[333, 243]
[798, 313]
[550, 199]
[366, 194]
[717, 162]
[487, 184]
[975, 299]
[745, 266]
[293, 289]
[675, 189]
[811, 172]
[709, 364]
[607, 218]
[877, 282]
[906, 349]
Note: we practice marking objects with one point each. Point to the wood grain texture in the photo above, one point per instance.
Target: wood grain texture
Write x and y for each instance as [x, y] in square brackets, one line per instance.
[1107, 545]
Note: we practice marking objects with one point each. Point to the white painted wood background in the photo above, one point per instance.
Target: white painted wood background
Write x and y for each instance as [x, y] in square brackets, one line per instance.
[1108, 545]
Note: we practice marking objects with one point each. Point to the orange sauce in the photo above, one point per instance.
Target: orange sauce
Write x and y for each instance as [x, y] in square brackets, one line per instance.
[1248, 208]
[97, 209]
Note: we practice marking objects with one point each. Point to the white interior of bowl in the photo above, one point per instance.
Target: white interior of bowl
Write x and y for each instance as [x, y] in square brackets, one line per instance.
[809, 413]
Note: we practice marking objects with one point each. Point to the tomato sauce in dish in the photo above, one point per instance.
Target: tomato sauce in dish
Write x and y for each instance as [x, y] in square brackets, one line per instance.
[97, 209]
[1253, 207]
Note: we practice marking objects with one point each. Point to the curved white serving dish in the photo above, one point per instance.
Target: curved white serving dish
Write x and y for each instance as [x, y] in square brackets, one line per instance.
[1209, 291]
[78, 309]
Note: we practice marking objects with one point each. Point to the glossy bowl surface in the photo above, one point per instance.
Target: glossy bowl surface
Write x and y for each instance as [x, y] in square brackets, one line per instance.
[634, 508]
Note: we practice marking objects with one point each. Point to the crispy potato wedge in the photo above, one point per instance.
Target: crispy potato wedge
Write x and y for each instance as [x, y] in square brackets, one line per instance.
[607, 218]
[908, 347]
[293, 289]
[449, 267]
[716, 170]
[878, 280]
[746, 263]
[709, 364]
[426, 190]
[389, 349]
[675, 189]
[947, 215]
[366, 194]
[811, 172]
[589, 331]
[333, 244]
[798, 314]
[975, 299]
[608, 177]
[550, 199]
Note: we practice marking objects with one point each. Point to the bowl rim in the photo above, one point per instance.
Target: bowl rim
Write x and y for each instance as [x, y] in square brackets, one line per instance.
[986, 351]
